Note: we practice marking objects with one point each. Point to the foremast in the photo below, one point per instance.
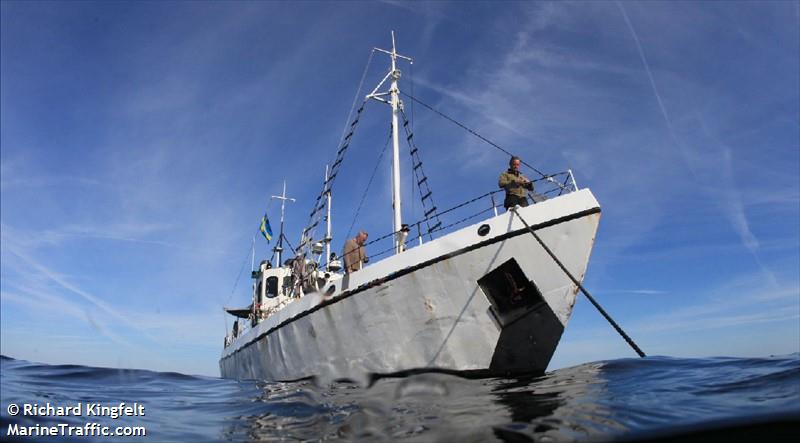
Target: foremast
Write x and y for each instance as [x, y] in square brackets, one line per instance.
[396, 104]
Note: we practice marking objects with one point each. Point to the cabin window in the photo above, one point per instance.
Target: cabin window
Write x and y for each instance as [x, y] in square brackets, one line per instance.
[272, 287]
[508, 289]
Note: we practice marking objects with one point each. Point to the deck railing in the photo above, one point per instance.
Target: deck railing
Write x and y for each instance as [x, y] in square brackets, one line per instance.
[485, 205]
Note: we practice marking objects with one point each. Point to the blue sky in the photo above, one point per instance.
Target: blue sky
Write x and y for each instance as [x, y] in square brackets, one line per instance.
[141, 142]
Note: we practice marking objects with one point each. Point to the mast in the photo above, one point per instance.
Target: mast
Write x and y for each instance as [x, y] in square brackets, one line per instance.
[328, 237]
[279, 248]
[396, 104]
[395, 100]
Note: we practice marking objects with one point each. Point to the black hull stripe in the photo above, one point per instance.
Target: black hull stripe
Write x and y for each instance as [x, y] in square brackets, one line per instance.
[414, 268]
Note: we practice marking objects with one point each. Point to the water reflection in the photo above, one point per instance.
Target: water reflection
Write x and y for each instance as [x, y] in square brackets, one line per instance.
[590, 402]
[561, 406]
[631, 399]
[427, 407]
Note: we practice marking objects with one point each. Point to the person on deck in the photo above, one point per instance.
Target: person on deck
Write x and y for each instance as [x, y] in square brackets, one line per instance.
[515, 184]
[354, 254]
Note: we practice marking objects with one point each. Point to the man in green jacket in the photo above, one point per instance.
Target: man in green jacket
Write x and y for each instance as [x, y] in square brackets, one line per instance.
[515, 184]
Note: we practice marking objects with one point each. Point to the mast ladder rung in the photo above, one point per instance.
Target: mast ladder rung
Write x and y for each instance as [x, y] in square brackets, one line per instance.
[427, 195]
[430, 211]
[417, 166]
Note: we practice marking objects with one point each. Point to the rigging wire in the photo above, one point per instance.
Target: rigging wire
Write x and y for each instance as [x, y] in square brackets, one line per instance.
[290, 246]
[355, 97]
[411, 82]
[471, 131]
[236, 283]
[320, 203]
[372, 177]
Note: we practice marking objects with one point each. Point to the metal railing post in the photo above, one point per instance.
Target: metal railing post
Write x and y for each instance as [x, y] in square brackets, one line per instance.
[572, 178]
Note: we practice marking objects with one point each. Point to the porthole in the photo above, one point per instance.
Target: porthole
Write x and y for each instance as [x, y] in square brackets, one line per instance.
[483, 230]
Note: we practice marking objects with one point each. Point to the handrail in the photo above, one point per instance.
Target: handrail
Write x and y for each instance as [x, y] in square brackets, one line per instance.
[548, 186]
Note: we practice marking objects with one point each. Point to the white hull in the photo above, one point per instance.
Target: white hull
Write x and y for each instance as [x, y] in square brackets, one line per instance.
[444, 305]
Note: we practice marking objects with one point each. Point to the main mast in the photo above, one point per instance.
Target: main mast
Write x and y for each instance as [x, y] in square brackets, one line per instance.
[396, 104]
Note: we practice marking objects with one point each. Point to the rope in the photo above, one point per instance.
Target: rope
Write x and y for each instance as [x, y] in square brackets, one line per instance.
[355, 97]
[578, 284]
[471, 132]
[290, 246]
[411, 80]
[464, 219]
[468, 202]
[372, 177]
[344, 142]
[236, 283]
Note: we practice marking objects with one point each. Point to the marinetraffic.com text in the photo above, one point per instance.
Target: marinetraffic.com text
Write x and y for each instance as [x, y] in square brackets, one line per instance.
[88, 429]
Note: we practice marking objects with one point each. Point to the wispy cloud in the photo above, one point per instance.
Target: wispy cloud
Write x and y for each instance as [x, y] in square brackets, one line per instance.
[635, 291]
[129, 232]
[36, 301]
[737, 304]
[62, 281]
[649, 72]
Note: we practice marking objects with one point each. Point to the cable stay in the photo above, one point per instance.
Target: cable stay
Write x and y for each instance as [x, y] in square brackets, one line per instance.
[484, 139]
[369, 183]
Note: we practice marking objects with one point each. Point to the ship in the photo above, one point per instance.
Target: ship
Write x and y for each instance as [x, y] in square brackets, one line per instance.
[488, 294]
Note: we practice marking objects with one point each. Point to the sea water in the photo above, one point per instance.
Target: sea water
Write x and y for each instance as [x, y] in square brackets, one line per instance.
[650, 399]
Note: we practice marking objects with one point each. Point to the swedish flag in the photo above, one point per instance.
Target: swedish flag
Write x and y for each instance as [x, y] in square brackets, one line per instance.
[266, 229]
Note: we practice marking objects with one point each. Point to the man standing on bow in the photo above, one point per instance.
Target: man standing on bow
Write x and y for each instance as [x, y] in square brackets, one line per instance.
[515, 184]
[354, 254]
